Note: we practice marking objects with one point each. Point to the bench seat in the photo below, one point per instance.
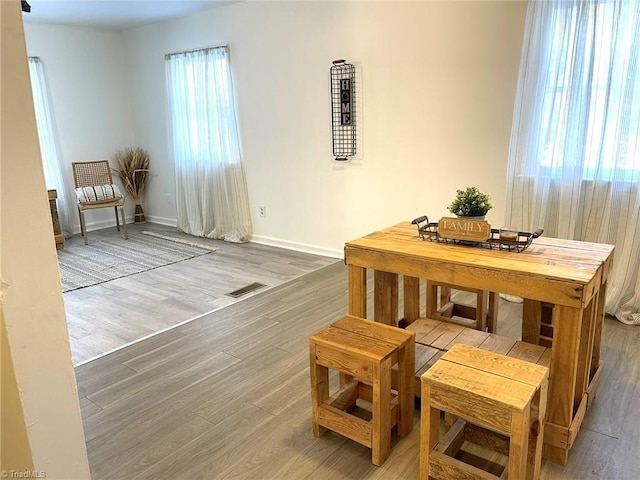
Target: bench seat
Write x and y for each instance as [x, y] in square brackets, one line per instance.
[434, 337]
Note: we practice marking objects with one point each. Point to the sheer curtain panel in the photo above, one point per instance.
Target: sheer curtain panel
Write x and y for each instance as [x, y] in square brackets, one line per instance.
[574, 160]
[212, 199]
[53, 170]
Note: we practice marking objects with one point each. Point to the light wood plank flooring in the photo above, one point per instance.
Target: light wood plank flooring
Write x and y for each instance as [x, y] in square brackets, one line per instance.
[110, 315]
[227, 396]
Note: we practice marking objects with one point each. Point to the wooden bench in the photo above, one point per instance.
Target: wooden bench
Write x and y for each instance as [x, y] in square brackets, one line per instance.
[481, 316]
[434, 337]
[498, 403]
[364, 353]
[537, 322]
[537, 325]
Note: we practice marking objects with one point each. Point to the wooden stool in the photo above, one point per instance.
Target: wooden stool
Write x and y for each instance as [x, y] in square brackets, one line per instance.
[482, 316]
[363, 352]
[489, 393]
[537, 322]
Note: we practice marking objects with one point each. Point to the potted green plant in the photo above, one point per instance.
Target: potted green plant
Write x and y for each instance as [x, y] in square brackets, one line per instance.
[470, 202]
[133, 164]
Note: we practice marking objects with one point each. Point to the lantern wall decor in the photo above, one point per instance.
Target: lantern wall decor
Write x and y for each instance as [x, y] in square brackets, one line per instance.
[343, 110]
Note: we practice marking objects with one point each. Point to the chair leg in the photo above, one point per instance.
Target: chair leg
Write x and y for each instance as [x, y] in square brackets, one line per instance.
[124, 223]
[117, 220]
[83, 228]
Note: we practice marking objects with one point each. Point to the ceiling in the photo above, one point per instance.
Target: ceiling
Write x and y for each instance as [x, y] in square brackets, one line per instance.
[114, 14]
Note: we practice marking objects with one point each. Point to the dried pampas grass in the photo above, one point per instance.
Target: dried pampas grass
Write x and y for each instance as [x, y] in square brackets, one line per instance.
[133, 166]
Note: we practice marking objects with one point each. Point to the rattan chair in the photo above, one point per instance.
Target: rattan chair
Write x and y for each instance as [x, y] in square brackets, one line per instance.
[97, 174]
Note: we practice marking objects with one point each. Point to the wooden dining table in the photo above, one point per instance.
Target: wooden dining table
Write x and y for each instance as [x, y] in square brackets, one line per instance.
[564, 277]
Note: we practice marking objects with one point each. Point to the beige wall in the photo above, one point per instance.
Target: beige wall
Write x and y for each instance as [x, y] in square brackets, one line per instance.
[89, 96]
[15, 453]
[438, 83]
[32, 304]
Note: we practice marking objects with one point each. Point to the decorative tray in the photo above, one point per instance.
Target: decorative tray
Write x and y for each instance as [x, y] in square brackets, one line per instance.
[429, 231]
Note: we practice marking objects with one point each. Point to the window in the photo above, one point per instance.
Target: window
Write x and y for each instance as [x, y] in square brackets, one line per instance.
[590, 104]
[54, 175]
[574, 157]
[211, 191]
[202, 105]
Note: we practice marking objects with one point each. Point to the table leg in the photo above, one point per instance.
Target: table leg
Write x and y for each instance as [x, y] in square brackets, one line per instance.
[357, 277]
[357, 291]
[563, 374]
[597, 337]
[385, 298]
[586, 347]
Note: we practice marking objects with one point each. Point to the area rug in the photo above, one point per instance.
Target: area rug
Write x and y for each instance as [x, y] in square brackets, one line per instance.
[105, 260]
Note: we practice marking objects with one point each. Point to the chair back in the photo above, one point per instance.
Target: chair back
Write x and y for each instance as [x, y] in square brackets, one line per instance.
[89, 174]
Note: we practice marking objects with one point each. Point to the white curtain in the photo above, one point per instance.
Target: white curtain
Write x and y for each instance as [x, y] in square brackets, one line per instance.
[212, 199]
[53, 171]
[574, 161]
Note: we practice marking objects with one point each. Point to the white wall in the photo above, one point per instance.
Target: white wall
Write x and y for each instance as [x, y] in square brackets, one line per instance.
[438, 81]
[90, 96]
[32, 307]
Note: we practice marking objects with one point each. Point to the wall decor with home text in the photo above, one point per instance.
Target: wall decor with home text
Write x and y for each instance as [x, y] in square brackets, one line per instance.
[343, 110]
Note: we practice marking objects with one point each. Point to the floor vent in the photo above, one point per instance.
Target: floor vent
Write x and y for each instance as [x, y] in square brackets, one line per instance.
[244, 290]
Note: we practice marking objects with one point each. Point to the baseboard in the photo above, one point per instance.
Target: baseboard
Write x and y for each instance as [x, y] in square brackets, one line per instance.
[299, 247]
[99, 225]
[168, 222]
[274, 242]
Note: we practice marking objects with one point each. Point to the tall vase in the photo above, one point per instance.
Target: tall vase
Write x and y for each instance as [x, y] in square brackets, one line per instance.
[139, 214]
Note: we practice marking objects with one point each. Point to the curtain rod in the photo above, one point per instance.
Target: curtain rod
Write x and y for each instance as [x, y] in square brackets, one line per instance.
[226, 46]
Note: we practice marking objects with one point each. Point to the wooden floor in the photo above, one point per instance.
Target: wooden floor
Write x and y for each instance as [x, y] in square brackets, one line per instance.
[110, 315]
[227, 396]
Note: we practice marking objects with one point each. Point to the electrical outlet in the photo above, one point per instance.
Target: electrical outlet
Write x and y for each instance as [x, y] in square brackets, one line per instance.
[262, 211]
